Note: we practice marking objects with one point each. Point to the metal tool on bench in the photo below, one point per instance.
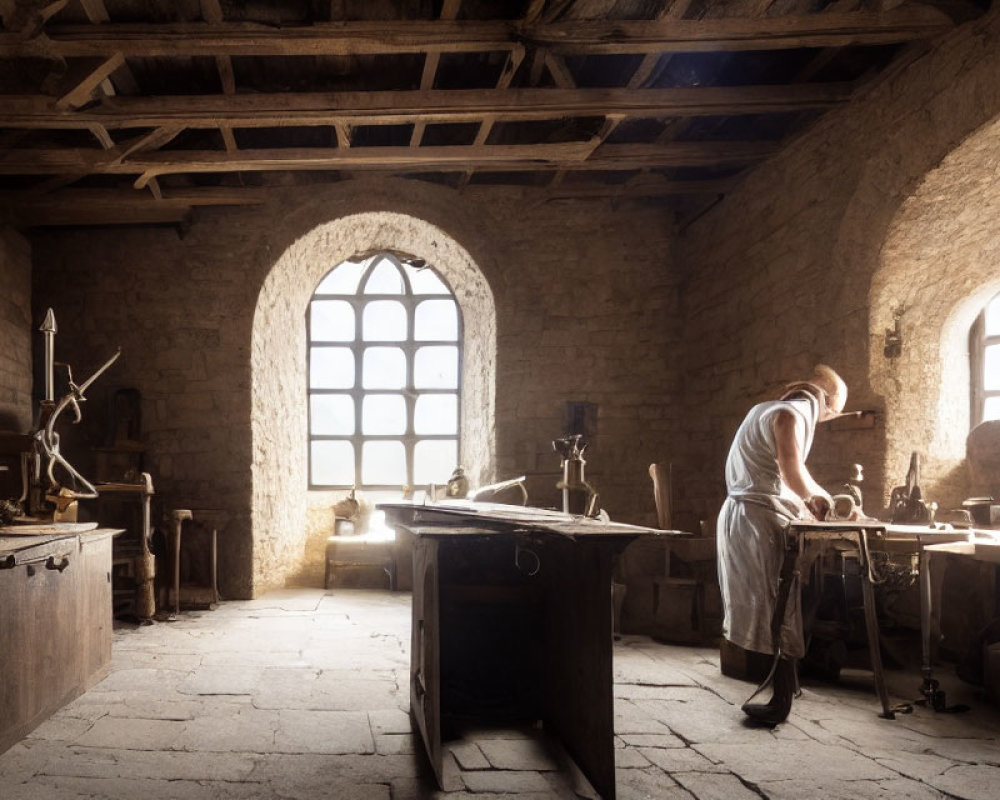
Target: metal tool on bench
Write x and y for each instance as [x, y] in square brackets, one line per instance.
[48, 440]
[491, 490]
[906, 503]
[51, 486]
[578, 496]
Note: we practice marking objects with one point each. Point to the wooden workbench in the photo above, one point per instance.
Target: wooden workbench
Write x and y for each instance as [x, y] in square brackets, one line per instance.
[512, 624]
[869, 536]
[982, 546]
[55, 620]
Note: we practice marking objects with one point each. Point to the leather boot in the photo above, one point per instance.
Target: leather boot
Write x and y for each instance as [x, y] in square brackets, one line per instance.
[780, 704]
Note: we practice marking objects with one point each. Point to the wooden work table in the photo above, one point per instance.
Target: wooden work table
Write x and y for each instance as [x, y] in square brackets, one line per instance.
[55, 620]
[512, 624]
[982, 546]
[866, 537]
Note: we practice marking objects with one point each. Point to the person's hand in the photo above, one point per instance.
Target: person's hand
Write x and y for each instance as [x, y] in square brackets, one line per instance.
[819, 505]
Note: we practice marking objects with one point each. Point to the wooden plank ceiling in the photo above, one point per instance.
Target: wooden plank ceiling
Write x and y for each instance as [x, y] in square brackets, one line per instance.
[140, 111]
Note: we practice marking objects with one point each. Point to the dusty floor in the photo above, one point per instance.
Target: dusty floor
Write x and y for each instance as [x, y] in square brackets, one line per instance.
[303, 694]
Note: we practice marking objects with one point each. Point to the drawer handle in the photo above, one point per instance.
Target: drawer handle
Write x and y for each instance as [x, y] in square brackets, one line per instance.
[59, 565]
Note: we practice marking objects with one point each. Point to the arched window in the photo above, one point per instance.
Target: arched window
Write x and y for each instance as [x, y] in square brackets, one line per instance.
[384, 372]
[984, 353]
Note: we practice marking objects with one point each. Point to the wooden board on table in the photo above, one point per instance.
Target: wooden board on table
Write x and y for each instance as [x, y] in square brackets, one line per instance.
[46, 528]
[988, 551]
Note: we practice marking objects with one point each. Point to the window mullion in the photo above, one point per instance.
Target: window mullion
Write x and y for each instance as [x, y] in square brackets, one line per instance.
[408, 393]
[357, 347]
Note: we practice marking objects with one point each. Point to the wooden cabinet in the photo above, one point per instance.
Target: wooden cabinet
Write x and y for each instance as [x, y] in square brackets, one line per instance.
[55, 624]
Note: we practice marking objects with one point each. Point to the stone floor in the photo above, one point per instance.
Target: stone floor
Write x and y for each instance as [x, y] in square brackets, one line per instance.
[303, 694]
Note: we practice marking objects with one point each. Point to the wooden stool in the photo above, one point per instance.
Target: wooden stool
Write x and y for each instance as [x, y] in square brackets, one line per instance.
[177, 519]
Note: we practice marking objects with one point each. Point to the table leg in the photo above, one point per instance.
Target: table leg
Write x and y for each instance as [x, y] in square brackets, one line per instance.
[926, 612]
[215, 565]
[177, 568]
[871, 626]
[177, 518]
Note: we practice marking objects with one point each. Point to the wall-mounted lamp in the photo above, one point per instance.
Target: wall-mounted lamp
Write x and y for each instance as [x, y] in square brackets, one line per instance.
[893, 346]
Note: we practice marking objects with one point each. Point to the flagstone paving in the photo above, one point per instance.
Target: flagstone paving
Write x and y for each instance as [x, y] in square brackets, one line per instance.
[304, 694]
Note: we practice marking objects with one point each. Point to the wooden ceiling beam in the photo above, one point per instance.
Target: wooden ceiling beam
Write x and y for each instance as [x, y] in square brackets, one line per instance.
[101, 134]
[449, 10]
[211, 11]
[533, 12]
[436, 105]
[228, 138]
[653, 62]
[560, 73]
[735, 34]
[83, 92]
[563, 155]
[58, 216]
[120, 198]
[511, 64]
[96, 11]
[645, 188]
[120, 206]
[905, 23]
[249, 39]
[153, 140]
[122, 79]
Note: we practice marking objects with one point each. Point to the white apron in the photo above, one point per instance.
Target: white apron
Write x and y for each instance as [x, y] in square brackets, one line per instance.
[751, 546]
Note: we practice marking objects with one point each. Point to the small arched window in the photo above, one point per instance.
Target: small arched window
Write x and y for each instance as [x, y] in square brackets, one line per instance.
[984, 353]
[384, 373]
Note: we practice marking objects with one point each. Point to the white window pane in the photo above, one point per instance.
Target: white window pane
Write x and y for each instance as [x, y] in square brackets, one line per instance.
[383, 463]
[331, 321]
[385, 279]
[993, 317]
[342, 279]
[436, 368]
[384, 321]
[436, 320]
[434, 461]
[383, 414]
[331, 414]
[425, 281]
[435, 413]
[331, 368]
[991, 409]
[991, 368]
[384, 368]
[332, 464]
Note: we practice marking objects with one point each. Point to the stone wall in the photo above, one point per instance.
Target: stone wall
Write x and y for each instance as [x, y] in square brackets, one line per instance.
[586, 309]
[15, 332]
[891, 200]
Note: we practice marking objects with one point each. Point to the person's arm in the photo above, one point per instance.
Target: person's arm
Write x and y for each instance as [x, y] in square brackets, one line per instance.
[792, 466]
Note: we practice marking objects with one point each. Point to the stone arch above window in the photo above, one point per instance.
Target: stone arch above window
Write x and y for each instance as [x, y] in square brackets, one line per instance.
[283, 506]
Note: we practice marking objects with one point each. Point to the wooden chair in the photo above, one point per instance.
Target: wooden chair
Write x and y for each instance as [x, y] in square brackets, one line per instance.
[686, 604]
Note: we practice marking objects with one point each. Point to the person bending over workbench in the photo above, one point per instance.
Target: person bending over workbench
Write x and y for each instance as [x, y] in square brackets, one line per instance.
[768, 486]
